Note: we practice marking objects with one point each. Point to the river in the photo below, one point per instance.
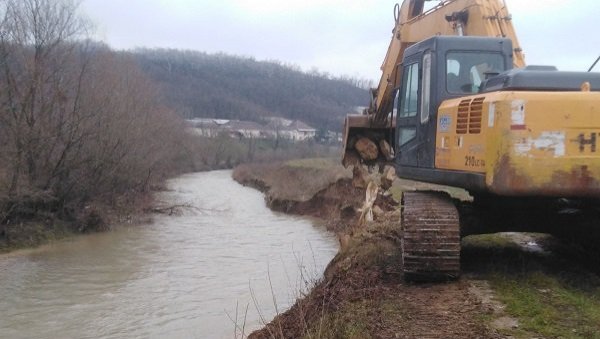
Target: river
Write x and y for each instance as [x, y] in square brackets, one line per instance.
[181, 276]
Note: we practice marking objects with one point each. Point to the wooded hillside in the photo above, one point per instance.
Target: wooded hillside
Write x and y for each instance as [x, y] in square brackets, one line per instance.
[198, 84]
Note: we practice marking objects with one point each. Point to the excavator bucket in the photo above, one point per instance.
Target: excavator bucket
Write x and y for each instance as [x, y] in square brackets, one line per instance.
[366, 142]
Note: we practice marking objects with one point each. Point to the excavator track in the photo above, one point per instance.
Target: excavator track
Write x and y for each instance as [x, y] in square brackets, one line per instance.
[431, 237]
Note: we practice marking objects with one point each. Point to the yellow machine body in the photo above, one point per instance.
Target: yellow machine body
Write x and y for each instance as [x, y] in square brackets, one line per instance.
[487, 18]
[524, 143]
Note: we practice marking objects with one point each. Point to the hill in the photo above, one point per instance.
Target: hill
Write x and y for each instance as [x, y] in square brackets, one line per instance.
[198, 84]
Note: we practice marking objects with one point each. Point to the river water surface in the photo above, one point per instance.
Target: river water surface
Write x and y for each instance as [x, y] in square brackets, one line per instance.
[178, 277]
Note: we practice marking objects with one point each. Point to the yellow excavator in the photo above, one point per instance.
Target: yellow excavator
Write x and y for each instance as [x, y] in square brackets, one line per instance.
[457, 106]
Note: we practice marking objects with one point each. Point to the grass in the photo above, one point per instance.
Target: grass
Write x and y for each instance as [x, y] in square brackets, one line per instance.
[315, 163]
[350, 321]
[489, 241]
[294, 180]
[548, 305]
[551, 295]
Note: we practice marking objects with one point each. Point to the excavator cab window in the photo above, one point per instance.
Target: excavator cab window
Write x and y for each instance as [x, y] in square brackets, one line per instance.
[409, 103]
[410, 90]
[466, 70]
[426, 88]
[396, 101]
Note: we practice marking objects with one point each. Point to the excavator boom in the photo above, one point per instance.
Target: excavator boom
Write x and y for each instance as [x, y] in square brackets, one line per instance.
[487, 18]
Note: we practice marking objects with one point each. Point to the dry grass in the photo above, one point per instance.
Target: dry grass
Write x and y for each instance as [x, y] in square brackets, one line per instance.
[297, 180]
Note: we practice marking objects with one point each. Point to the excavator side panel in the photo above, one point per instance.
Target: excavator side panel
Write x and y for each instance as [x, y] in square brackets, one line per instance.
[529, 144]
[461, 134]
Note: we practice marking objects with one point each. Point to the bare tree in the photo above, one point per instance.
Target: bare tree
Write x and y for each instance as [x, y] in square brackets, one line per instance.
[37, 46]
[78, 122]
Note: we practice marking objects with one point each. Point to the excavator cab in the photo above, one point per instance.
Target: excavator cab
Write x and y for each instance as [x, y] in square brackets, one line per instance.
[371, 138]
[432, 71]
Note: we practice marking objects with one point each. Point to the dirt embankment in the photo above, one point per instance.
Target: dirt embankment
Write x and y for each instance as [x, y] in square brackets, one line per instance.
[513, 285]
[362, 294]
[32, 226]
[313, 187]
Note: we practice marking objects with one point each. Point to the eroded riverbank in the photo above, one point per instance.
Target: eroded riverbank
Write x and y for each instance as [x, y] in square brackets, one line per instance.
[506, 290]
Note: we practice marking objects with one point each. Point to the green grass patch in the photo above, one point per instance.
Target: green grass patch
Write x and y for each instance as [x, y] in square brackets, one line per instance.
[554, 294]
[396, 191]
[549, 305]
[489, 241]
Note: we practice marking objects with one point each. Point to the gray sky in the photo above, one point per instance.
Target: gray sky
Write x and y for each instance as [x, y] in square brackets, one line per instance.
[336, 36]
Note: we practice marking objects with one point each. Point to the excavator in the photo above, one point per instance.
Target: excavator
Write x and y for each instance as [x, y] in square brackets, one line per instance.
[457, 106]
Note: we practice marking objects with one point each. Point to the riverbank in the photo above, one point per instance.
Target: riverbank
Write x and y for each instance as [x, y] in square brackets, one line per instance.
[312, 187]
[507, 289]
[362, 293]
[36, 218]
[43, 228]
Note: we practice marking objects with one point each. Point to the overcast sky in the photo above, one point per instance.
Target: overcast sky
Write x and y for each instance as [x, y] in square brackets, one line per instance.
[337, 36]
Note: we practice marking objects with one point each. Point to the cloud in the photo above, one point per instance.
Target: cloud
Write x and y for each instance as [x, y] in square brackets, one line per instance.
[559, 33]
[337, 36]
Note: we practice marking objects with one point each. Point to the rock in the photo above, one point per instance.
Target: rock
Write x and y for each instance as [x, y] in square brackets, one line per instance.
[388, 177]
[386, 150]
[366, 149]
[350, 158]
[359, 176]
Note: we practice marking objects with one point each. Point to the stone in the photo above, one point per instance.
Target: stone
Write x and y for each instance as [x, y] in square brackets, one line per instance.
[386, 150]
[350, 158]
[367, 149]
[388, 177]
[359, 176]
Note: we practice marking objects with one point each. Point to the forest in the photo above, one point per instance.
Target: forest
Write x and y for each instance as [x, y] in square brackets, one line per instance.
[197, 84]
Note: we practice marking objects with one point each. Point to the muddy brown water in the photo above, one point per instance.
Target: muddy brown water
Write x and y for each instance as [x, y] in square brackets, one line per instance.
[178, 277]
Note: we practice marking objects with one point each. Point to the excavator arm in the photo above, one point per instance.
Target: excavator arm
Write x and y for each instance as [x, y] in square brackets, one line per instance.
[370, 137]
